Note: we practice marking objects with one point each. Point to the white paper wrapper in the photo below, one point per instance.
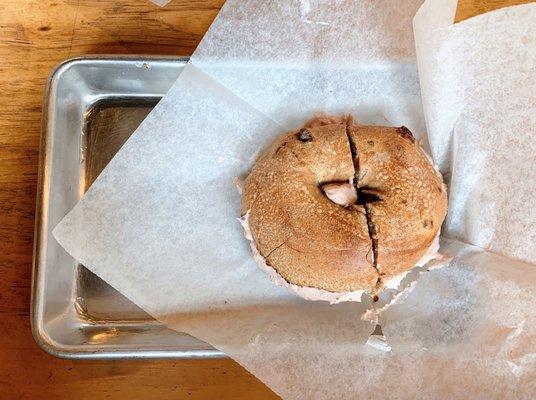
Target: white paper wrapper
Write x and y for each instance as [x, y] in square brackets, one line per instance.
[292, 59]
[159, 223]
[466, 331]
[478, 85]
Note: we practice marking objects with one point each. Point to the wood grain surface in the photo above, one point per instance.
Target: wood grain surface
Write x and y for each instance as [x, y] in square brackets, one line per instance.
[34, 36]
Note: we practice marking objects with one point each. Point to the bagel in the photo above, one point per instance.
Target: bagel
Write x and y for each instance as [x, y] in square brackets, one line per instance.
[337, 209]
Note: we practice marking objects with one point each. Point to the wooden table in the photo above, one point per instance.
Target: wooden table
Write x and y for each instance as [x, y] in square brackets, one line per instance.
[34, 36]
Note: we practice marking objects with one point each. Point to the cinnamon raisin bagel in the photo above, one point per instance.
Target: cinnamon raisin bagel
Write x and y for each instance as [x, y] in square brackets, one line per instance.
[336, 209]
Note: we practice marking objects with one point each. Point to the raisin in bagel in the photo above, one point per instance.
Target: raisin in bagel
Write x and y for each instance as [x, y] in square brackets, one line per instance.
[337, 209]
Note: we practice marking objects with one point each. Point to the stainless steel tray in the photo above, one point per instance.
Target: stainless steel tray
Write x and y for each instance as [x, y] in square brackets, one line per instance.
[92, 105]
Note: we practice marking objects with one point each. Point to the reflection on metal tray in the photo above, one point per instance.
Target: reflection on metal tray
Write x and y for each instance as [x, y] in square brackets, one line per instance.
[92, 106]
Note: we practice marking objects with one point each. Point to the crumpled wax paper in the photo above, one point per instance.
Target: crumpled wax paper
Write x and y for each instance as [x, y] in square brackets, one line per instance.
[159, 224]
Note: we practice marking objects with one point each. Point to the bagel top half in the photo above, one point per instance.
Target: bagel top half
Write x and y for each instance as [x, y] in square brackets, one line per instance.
[394, 203]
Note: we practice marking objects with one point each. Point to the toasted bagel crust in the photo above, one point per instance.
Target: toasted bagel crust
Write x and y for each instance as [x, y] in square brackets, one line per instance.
[311, 241]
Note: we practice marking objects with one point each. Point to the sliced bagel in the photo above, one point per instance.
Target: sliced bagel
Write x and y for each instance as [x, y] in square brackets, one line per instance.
[305, 228]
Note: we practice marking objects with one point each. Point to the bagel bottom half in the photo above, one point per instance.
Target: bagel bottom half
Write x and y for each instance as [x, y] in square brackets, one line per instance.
[335, 209]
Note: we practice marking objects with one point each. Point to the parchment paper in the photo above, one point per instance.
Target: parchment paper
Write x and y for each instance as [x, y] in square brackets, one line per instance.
[159, 223]
[478, 84]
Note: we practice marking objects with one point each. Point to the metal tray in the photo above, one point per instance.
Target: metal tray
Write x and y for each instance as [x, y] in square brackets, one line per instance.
[92, 105]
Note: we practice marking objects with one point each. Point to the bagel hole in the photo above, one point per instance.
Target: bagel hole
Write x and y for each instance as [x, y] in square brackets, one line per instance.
[367, 196]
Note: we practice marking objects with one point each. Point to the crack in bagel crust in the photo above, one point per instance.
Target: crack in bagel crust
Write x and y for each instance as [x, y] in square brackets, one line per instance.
[364, 198]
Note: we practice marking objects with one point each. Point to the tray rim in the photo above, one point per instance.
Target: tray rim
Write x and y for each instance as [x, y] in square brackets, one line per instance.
[43, 340]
